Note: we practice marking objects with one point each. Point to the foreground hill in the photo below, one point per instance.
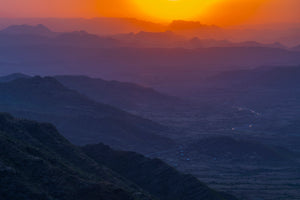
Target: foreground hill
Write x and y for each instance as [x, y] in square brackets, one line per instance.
[36, 162]
[80, 119]
[153, 175]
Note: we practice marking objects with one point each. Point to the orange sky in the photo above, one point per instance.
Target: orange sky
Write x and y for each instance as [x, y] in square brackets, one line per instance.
[219, 12]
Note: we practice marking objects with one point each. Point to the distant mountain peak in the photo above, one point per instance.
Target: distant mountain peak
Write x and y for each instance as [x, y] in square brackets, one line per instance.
[84, 37]
[25, 29]
[46, 83]
[185, 25]
[12, 77]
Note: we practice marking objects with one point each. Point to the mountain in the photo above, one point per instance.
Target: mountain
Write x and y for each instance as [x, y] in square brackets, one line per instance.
[41, 35]
[26, 34]
[38, 30]
[166, 39]
[110, 26]
[12, 77]
[170, 39]
[179, 25]
[208, 43]
[36, 162]
[100, 26]
[80, 119]
[124, 95]
[197, 29]
[85, 39]
[164, 69]
[153, 175]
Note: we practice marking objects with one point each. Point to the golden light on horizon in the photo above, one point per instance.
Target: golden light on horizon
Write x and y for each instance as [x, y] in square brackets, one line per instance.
[219, 12]
[167, 10]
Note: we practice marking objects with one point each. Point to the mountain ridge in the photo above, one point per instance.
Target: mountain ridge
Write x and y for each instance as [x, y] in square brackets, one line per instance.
[36, 162]
[125, 95]
[79, 118]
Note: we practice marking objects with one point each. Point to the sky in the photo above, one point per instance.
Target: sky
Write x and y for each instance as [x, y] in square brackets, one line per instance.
[218, 12]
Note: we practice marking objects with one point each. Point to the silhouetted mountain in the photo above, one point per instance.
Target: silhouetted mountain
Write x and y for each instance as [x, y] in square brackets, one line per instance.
[153, 175]
[178, 25]
[36, 162]
[12, 77]
[124, 95]
[38, 30]
[99, 26]
[83, 38]
[80, 119]
[166, 39]
[197, 29]
[26, 34]
[23, 35]
[207, 43]
[172, 69]
[41, 35]
[108, 26]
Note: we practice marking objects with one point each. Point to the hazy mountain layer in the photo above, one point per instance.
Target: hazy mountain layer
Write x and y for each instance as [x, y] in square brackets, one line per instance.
[80, 119]
[124, 95]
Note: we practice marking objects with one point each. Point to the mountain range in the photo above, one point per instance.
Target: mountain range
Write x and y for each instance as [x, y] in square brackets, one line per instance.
[105, 26]
[81, 120]
[125, 95]
[145, 66]
[38, 30]
[267, 33]
[36, 162]
[142, 39]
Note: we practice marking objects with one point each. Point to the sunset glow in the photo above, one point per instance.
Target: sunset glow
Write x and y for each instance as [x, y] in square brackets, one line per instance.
[218, 12]
[222, 12]
[174, 9]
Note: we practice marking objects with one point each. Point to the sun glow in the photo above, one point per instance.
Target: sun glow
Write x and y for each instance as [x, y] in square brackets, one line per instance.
[167, 10]
[220, 12]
